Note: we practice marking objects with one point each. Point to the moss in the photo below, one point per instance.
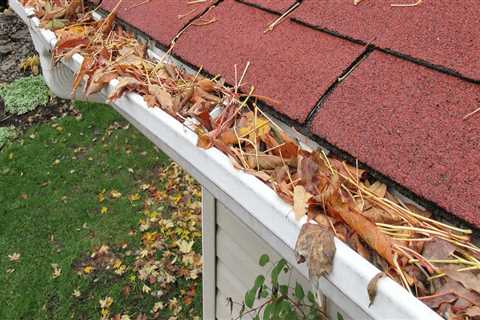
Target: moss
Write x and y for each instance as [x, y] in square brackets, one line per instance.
[25, 95]
[6, 134]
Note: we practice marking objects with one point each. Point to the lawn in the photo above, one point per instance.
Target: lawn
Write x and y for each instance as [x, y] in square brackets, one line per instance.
[95, 222]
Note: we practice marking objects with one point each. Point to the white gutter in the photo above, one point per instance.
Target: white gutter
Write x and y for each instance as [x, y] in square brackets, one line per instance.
[351, 273]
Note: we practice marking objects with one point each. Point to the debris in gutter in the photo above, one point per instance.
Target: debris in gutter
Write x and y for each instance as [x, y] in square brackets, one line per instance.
[407, 4]
[372, 287]
[435, 261]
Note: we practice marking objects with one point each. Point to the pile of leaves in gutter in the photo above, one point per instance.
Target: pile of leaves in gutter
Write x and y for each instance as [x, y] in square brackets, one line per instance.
[434, 261]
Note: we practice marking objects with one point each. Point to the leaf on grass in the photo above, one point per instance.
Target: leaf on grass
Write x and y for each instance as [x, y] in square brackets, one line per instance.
[372, 287]
[316, 245]
[14, 257]
[300, 201]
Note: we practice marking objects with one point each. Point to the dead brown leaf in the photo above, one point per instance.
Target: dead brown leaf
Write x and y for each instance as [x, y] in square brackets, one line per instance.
[300, 201]
[163, 97]
[372, 287]
[366, 229]
[316, 245]
[125, 84]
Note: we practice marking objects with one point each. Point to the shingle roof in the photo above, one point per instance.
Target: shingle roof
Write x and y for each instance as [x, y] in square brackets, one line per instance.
[400, 110]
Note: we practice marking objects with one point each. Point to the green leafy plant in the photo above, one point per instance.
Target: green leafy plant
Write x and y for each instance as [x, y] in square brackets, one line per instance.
[25, 94]
[6, 134]
[278, 300]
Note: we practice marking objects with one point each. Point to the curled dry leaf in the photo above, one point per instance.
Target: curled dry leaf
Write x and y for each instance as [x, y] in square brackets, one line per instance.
[99, 80]
[125, 84]
[163, 97]
[372, 287]
[86, 65]
[316, 245]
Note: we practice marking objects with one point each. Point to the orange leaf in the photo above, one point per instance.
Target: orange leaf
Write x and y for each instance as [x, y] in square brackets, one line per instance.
[366, 229]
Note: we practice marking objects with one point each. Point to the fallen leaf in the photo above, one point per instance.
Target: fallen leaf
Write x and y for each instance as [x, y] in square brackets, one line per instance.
[468, 279]
[125, 84]
[379, 189]
[316, 245]
[134, 197]
[207, 85]
[14, 257]
[366, 229]
[204, 141]
[372, 287]
[115, 194]
[106, 302]
[473, 312]
[435, 300]
[438, 249]
[104, 210]
[88, 269]
[300, 201]
[163, 97]
[57, 271]
[87, 65]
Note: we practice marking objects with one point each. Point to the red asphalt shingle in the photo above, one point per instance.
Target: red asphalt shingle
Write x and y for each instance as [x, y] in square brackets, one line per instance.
[293, 64]
[158, 20]
[406, 121]
[444, 33]
[274, 5]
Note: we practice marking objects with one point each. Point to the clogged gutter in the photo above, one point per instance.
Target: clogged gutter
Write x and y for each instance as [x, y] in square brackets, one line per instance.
[434, 261]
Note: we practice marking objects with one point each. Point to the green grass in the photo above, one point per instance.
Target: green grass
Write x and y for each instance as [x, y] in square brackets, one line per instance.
[50, 213]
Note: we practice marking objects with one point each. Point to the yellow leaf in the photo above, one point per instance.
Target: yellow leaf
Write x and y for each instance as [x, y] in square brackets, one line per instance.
[88, 269]
[134, 197]
[76, 293]
[106, 303]
[57, 271]
[104, 210]
[115, 194]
